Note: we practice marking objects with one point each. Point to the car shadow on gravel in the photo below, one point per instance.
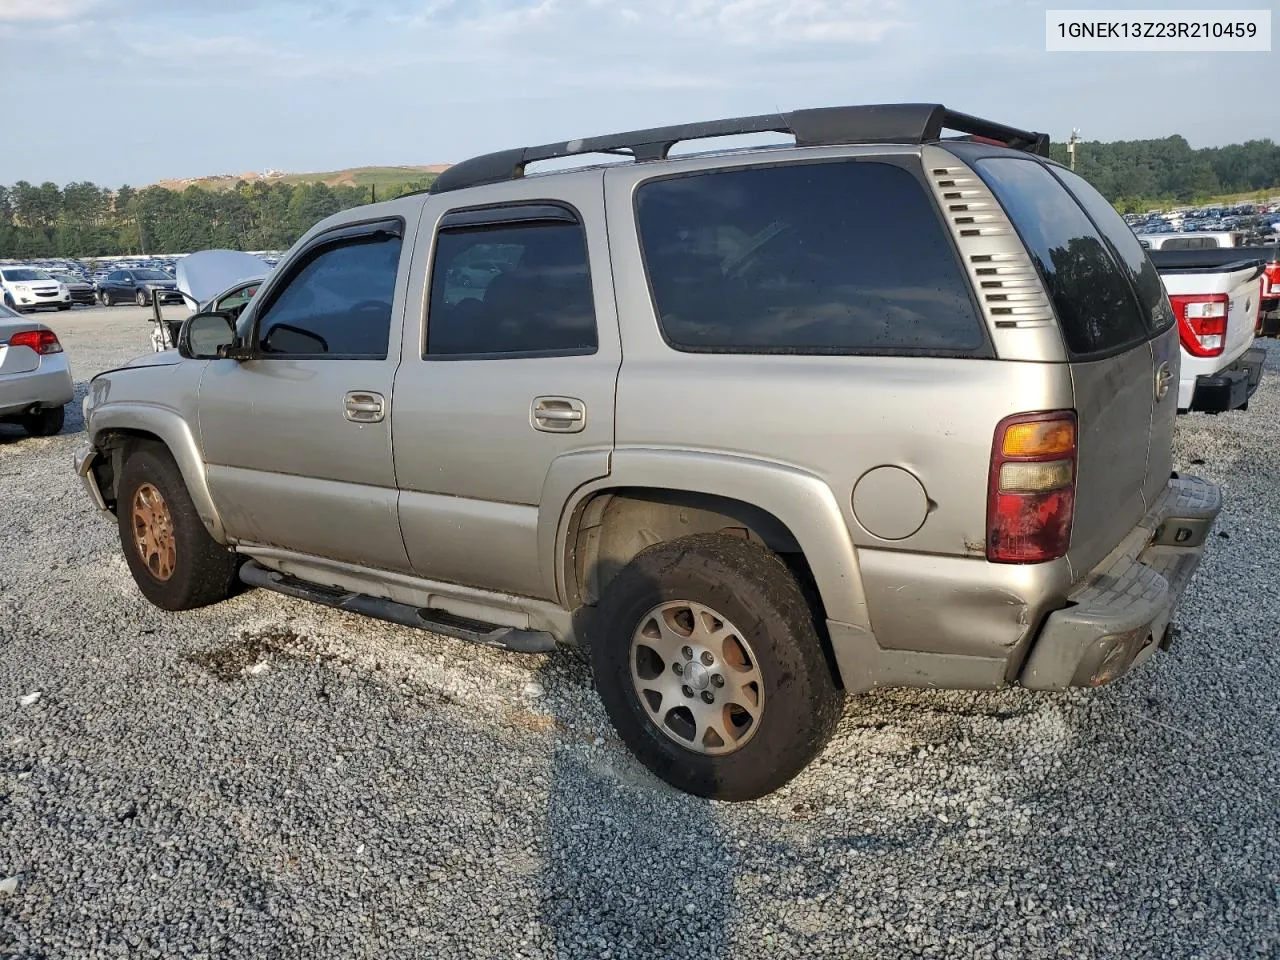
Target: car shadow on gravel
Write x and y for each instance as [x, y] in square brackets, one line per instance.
[666, 891]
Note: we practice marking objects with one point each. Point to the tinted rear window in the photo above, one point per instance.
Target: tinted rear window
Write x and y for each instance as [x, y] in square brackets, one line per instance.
[1089, 289]
[839, 257]
[1142, 273]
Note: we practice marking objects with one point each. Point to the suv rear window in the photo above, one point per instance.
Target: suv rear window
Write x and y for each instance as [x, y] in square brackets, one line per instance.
[1089, 289]
[834, 257]
[1133, 258]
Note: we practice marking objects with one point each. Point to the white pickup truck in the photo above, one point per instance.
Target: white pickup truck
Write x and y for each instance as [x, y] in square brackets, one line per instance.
[1215, 295]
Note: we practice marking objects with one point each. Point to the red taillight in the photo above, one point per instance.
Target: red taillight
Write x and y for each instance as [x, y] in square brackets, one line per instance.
[1032, 494]
[41, 341]
[1202, 322]
[1271, 280]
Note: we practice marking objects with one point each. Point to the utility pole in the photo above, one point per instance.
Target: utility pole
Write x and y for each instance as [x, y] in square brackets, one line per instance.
[1071, 146]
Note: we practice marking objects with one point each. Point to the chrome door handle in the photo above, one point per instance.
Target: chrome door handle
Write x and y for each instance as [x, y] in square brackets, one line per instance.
[558, 415]
[361, 406]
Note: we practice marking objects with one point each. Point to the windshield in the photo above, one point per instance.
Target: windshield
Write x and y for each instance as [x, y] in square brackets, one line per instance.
[24, 274]
[151, 275]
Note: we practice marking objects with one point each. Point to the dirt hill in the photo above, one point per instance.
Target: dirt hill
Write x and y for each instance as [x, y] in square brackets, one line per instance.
[352, 177]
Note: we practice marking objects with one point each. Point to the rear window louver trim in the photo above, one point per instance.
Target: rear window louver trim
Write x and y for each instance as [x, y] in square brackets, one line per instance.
[1007, 284]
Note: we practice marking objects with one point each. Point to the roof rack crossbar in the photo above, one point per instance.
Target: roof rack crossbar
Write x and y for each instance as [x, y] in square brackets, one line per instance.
[825, 126]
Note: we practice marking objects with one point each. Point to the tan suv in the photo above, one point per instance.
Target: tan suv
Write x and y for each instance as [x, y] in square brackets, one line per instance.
[880, 407]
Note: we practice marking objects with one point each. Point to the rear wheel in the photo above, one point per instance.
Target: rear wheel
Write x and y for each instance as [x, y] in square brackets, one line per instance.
[46, 423]
[710, 666]
[174, 561]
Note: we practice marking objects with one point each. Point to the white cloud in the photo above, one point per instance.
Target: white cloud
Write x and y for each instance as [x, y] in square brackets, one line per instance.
[44, 11]
[747, 22]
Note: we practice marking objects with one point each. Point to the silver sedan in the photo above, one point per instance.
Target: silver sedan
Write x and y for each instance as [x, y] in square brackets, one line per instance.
[35, 377]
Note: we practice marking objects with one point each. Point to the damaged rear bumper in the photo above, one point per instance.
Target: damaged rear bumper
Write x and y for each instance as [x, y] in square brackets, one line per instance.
[1121, 613]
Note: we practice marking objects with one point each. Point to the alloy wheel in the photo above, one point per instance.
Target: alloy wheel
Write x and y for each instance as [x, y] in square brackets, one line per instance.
[697, 678]
[153, 537]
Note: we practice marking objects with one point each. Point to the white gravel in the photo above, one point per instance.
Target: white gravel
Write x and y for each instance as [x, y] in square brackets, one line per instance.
[272, 779]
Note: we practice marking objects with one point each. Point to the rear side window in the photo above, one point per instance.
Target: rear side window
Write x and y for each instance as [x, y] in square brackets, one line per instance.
[1142, 273]
[1089, 289]
[837, 257]
[521, 289]
[1188, 243]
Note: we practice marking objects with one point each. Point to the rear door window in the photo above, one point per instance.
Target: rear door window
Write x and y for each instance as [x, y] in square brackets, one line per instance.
[834, 257]
[519, 289]
[1133, 258]
[1091, 292]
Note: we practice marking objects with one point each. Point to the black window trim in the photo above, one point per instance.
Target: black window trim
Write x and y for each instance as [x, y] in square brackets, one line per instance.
[496, 216]
[279, 281]
[913, 165]
[1073, 356]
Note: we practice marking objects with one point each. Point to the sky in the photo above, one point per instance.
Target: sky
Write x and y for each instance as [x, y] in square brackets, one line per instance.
[133, 91]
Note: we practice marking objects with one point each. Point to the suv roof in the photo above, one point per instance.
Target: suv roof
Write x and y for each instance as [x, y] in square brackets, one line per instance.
[902, 123]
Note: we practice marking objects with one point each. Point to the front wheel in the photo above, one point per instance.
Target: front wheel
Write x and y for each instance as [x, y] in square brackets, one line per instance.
[710, 666]
[174, 561]
[107, 299]
[140, 298]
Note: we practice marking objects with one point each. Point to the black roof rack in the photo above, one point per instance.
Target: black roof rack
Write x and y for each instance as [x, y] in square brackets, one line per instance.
[824, 126]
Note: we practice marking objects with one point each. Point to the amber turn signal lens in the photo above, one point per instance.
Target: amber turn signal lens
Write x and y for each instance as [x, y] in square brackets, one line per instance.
[1041, 438]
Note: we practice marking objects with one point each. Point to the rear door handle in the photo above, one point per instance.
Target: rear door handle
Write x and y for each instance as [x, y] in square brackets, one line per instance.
[363, 406]
[558, 415]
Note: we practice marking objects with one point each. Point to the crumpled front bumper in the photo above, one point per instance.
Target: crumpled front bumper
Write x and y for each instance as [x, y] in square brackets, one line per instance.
[85, 457]
[1121, 613]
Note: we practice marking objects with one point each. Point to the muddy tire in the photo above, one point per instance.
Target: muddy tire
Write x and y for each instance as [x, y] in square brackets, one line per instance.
[174, 561]
[46, 423]
[710, 665]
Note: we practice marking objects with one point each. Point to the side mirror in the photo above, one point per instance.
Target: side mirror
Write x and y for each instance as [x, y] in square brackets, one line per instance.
[206, 336]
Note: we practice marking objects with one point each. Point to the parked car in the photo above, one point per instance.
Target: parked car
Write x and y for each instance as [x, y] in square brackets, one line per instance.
[755, 455]
[212, 280]
[138, 285]
[81, 290]
[35, 378]
[1199, 240]
[1216, 297]
[28, 288]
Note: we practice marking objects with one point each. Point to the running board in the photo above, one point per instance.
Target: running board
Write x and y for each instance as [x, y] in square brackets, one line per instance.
[437, 621]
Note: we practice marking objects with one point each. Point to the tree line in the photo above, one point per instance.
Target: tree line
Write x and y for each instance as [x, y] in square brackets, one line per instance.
[1138, 175]
[85, 220]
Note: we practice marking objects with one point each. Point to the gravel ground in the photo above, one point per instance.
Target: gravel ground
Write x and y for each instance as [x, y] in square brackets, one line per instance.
[267, 778]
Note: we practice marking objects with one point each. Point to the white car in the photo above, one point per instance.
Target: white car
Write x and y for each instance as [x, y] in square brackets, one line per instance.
[35, 378]
[26, 288]
[221, 280]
